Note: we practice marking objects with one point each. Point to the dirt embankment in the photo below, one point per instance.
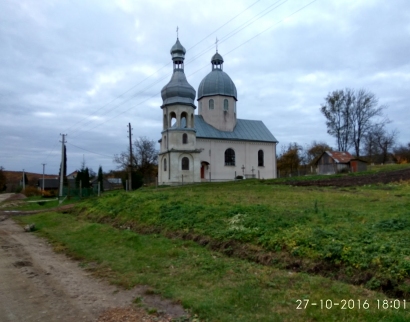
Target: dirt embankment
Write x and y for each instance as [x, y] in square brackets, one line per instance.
[347, 181]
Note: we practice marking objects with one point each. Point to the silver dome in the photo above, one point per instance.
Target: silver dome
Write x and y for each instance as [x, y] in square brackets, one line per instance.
[178, 90]
[217, 82]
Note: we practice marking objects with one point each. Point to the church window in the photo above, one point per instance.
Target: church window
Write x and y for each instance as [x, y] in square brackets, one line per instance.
[165, 141]
[165, 164]
[184, 138]
[226, 104]
[184, 120]
[260, 158]
[229, 157]
[192, 121]
[185, 163]
[211, 104]
[173, 119]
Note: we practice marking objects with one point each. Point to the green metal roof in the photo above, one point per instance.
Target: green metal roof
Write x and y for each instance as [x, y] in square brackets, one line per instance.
[245, 130]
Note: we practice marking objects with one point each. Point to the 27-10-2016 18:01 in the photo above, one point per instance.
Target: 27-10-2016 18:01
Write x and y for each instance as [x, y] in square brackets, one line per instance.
[351, 304]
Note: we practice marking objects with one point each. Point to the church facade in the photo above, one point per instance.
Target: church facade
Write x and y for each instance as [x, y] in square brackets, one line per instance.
[213, 145]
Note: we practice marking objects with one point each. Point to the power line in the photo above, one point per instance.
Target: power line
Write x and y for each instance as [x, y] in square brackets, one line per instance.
[154, 95]
[226, 37]
[156, 72]
[187, 63]
[78, 147]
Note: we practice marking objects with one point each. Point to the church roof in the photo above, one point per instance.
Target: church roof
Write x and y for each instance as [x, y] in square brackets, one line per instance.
[178, 90]
[217, 82]
[245, 130]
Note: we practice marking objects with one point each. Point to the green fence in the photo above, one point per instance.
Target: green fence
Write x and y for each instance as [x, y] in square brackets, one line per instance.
[77, 193]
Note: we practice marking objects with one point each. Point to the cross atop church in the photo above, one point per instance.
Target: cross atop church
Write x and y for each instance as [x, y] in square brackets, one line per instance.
[216, 44]
[177, 32]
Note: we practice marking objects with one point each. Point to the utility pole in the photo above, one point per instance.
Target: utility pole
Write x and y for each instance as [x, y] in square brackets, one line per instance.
[62, 165]
[24, 181]
[42, 190]
[130, 159]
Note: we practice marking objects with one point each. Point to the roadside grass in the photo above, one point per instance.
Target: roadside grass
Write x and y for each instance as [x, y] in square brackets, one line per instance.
[34, 203]
[358, 234]
[207, 283]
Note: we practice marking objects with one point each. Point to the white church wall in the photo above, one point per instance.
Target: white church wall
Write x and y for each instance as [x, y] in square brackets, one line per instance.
[246, 155]
[174, 174]
[218, 117]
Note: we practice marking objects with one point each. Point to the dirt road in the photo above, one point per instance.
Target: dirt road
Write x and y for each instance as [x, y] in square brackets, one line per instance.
[37, 284]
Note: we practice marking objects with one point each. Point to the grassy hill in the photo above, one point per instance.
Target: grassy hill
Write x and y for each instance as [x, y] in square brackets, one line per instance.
[251, 250]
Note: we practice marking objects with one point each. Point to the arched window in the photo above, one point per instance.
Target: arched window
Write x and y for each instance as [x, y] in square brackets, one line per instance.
[184, 120]
[173, 119]
[185, 163]
[260, 158]
[184, 138]
[226, 104]
[165, 141]
[229, 157]
[211, 104]
[165, 164]
[192, 120]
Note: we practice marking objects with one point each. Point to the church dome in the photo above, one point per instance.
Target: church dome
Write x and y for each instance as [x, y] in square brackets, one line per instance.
[178, 90]
[217, 82]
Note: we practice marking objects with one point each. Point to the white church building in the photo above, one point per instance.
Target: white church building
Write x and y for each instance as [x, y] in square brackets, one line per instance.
[213, 145]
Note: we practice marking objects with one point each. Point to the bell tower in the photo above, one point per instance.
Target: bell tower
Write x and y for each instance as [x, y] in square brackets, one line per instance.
[178, 160]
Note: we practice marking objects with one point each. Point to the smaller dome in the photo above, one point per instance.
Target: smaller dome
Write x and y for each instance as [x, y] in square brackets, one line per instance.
[217, 82]
[178, 48]
[217, 59]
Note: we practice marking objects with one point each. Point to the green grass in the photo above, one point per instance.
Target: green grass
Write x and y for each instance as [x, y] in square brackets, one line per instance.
[209, 284]
[371, 169]
[361, 234]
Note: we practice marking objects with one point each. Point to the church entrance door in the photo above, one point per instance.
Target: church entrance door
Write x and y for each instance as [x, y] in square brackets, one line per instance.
[202, 171]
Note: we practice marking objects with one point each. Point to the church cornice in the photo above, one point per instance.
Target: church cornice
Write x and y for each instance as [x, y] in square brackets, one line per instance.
[181, 151]
[179, 129]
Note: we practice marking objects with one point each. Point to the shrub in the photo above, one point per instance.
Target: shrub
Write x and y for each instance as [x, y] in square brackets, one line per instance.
[49, 193]
[31, 191]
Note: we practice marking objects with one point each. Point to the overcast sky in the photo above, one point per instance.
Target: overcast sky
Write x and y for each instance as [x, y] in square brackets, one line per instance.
[88, 68]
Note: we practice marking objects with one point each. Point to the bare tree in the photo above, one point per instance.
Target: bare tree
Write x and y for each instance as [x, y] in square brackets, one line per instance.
[365, 110]
[351, 115]
[337, 109]
[144, 158]
[290, 159]
[402, 153]
[314, 150]
[379, 143]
